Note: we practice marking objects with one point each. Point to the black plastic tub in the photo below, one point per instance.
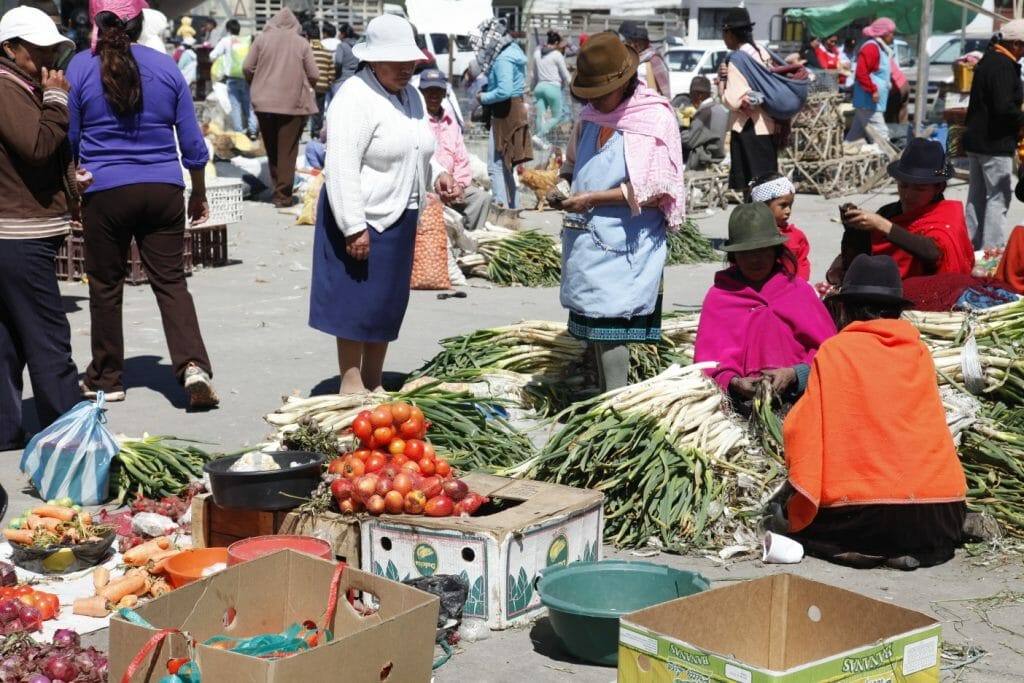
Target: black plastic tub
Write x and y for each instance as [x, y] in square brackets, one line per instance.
[268, 490]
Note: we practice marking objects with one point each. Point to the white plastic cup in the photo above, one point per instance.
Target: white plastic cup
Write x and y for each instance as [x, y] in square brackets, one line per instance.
[780, 549]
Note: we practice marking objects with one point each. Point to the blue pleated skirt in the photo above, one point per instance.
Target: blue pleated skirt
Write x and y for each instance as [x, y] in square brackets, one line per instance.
[360, 300]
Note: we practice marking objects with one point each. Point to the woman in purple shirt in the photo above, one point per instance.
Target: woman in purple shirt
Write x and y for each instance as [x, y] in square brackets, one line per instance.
[129, 104]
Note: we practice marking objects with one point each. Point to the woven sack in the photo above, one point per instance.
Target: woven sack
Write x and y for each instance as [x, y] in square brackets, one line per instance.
[430, 260]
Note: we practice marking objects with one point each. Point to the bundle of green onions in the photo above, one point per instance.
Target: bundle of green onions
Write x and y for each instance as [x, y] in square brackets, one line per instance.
[979, 351]
[469, 432]
[674, 465]
[688, 245]
[526, 258]
[154, 467]
[992, 453]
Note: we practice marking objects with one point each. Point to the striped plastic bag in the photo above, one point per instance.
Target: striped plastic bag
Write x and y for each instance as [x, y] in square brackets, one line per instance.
[71, 458]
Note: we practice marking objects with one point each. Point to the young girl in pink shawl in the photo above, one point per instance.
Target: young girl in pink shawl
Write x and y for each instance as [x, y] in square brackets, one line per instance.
[759, 320]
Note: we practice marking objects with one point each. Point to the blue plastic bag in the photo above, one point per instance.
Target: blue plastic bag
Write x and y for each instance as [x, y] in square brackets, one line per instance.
[71, 457]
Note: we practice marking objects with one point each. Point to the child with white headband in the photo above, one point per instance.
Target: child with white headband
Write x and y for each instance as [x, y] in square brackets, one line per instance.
[777, 191]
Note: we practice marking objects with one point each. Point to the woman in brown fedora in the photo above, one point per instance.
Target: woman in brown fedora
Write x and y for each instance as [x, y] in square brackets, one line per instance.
[752, 149]
[625, 163]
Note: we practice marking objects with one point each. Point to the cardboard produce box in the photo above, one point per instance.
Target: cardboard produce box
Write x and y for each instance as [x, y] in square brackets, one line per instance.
[266, 595]
[780, 628]
[498, 554]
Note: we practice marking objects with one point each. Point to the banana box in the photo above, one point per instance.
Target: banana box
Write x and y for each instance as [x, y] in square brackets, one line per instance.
[528, 525]
[779, 629]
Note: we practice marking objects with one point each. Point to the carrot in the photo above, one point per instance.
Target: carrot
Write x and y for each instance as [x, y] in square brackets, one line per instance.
[126, 585]
[23, 536]
[159, 587]
[33, 521]
[100, 577]
[130, 600]
[62, 513]
[85, 518]
[50, 524]
[158, 563]
[91, 607]
[138, 555]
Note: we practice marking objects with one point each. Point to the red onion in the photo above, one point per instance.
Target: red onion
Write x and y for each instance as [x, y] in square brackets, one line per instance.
[60, 668]
[66, 637]
[30, 615]
[9, 610]
[14, 626]
[38, 678]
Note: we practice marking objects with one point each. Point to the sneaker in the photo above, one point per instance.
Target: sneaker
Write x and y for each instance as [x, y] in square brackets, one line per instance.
[200, 390]
[108, 396]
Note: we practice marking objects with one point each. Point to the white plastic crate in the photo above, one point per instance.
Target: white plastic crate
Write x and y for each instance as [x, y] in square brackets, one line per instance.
[225, 198]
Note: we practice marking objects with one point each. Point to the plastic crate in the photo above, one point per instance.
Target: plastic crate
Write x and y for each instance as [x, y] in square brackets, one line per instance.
[71, 259]
[209, 245]
[224, 195]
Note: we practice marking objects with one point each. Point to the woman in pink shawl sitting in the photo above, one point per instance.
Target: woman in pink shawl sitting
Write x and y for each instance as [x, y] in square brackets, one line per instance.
[759, 320]
[625, 163]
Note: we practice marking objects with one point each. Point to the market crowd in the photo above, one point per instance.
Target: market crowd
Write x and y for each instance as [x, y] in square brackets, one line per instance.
[387, 131]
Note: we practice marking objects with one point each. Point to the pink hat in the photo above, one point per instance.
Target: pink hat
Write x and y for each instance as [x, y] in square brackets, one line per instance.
[879, 27]
[123, 9]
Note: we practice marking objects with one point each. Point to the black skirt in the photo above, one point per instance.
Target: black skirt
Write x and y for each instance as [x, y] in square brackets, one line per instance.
[751, 155]
[870, 535]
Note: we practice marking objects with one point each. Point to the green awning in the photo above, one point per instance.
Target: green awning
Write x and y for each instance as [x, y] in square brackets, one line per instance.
[825, 21]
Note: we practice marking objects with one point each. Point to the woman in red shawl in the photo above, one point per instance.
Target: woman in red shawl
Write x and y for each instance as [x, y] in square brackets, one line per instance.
[923, 232]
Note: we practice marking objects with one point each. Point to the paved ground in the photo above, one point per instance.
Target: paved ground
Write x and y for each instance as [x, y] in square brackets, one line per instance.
[253, 314]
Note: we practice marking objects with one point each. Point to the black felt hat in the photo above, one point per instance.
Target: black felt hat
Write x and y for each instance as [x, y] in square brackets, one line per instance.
[872, 279]
[922, 162]
[738, 17]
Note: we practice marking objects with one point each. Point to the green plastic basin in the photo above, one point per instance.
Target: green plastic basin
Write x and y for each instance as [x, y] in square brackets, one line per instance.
[586, 599]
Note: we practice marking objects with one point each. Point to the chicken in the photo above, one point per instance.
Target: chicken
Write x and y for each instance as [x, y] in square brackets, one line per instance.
[541, 180]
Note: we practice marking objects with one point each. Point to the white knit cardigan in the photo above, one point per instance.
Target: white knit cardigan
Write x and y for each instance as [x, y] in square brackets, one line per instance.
[379, 153]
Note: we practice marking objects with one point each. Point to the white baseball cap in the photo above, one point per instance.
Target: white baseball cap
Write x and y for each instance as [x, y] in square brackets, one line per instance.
[389, 38]
[32, 26]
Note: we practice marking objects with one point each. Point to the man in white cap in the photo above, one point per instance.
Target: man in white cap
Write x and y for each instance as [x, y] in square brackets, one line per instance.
[994, 119]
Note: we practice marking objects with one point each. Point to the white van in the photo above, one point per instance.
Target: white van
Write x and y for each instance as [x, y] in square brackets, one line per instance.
[686, 61]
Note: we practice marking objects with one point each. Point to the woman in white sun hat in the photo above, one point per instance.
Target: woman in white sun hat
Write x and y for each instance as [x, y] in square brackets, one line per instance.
[377, 172]
[37, 182]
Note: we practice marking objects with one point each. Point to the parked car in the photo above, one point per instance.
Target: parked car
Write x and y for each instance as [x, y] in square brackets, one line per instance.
[940, 62]
[685, 62]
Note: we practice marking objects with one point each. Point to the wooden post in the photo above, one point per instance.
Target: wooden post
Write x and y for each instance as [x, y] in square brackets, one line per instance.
[921, 97]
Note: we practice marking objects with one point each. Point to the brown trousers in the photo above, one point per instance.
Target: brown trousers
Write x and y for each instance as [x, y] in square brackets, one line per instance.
[154, 214]
[281, 134]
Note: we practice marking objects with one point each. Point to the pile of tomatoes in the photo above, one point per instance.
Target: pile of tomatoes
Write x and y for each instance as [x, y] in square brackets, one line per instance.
[22, 608]
[397, 470]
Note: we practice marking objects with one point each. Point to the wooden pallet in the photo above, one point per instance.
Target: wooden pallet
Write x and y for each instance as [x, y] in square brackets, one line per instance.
[836, 177]
[820, 111]
[707, 189]
[815, 144]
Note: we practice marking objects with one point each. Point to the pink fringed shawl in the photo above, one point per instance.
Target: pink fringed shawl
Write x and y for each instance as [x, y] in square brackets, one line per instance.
[654, 153]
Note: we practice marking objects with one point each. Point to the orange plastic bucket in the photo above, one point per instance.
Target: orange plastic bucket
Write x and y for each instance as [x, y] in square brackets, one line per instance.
[258, 546]
[189, 565]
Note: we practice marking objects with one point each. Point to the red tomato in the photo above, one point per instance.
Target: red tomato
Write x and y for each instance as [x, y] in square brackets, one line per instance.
[394, 502]
[427, 465]
[397, 446]
[337, 465]
[416, 414]
[411, 467]
[431, 486]
[400, 412]
[7, 592]
[48, 604]
[411, 429]
[376, 462]
[381, 416]
[439, 506]
[365, 414]
[383, 435]
[428, 450]
[354, 468]
[442, 468]
[414, 502]
[362, 453]
[23, 590]
[362, 428]
[413, 448]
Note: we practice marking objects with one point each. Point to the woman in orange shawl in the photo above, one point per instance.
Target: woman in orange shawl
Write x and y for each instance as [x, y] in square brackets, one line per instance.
[875, 474]
[923, 232]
